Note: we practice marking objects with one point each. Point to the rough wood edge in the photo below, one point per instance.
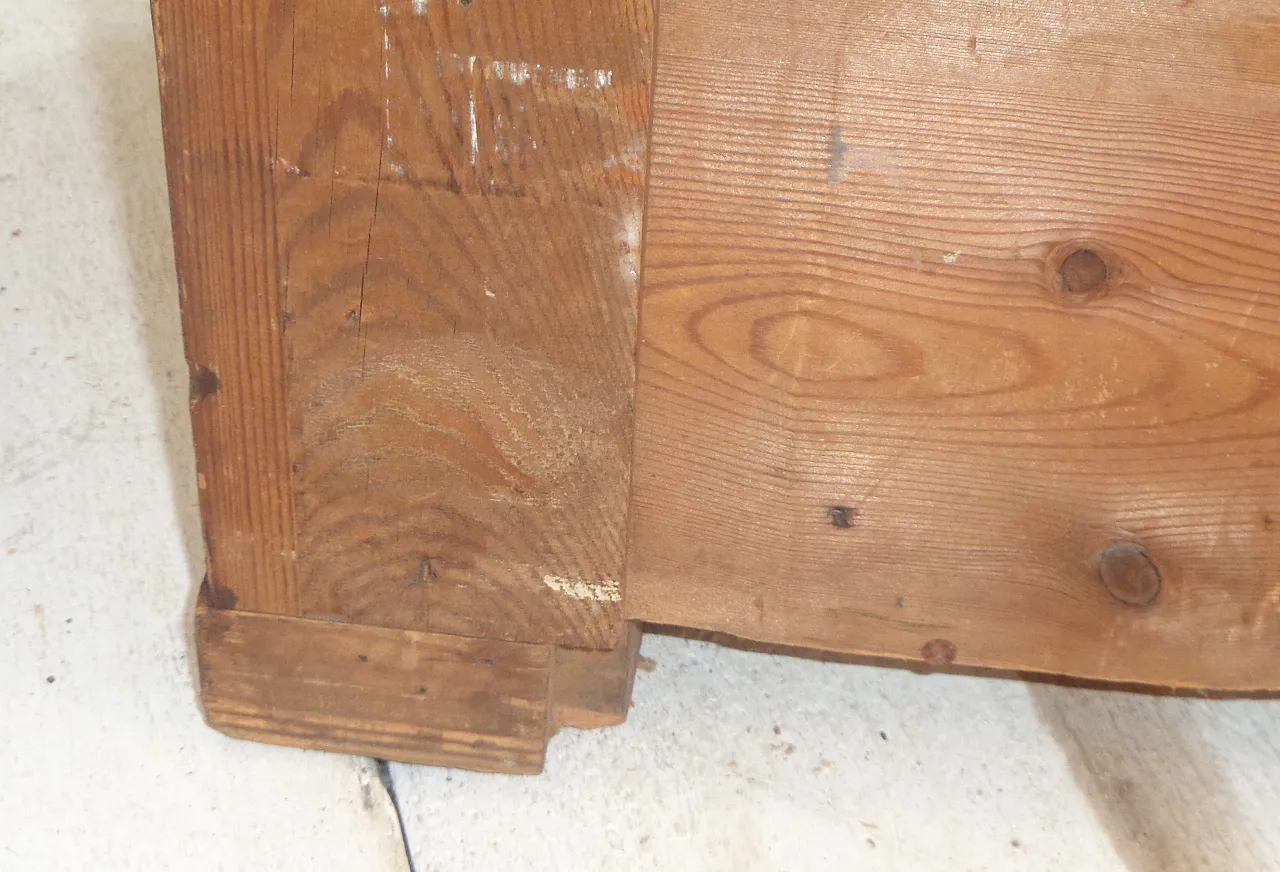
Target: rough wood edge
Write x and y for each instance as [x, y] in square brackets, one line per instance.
[922, 668]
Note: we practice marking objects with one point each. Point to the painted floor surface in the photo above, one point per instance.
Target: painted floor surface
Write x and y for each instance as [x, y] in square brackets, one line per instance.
[730, 761]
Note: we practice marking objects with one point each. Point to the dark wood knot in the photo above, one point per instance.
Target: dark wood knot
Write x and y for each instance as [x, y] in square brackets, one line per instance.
[1128, 573]
[1083, 273]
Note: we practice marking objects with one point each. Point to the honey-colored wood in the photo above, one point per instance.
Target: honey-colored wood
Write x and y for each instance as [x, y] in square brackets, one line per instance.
[460, 186]
[395, 694]
[945, 301]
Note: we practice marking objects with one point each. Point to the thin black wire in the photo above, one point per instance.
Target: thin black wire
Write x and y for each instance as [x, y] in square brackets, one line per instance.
[384, 775]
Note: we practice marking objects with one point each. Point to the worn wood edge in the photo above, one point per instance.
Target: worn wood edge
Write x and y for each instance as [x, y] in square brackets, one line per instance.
[922, 668]
[367, 745]
[592, 689]
[222, 210]
[233, 682]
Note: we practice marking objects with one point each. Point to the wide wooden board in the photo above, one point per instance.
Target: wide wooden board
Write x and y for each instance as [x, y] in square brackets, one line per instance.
[961, 334]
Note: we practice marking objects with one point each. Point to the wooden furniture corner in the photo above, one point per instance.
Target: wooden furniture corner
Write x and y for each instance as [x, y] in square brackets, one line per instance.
[955, 340]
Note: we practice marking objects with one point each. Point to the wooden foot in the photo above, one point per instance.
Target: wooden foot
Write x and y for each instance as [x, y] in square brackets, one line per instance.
[402, 695]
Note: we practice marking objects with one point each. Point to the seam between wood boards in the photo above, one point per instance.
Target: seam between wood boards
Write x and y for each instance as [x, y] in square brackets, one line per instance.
[655, 41]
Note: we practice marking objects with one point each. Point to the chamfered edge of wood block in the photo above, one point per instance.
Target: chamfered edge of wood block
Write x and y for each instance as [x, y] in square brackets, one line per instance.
[401, 695]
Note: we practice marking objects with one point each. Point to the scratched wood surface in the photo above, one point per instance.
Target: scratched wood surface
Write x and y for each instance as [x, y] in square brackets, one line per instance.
[961, 334]
[399, 694]
[409, 235]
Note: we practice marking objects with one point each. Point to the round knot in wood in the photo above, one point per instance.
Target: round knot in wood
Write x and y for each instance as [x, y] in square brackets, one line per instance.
[1083, 273]
[1129, 574]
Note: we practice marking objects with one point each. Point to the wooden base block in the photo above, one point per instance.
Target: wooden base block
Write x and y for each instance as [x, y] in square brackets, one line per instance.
[402, 695]
[396, 694]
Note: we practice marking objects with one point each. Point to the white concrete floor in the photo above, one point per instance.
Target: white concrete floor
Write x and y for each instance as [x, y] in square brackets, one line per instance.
[730, 761]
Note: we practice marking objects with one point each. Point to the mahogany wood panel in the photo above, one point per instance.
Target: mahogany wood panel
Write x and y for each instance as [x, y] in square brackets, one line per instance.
[961, 334]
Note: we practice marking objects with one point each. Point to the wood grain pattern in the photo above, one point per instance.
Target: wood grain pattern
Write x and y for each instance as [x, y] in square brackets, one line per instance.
[408, 241]
[408, 237]
[459, 208]
[213, 88]
[855, 308]
[394, 694]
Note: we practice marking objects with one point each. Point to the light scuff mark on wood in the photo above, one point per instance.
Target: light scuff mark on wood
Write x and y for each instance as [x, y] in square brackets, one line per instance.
[631, 158]
[603, 591]
[625, 168]
[523, 72]
[386, 81]
[515, 72]
[475, 139]
[629, 240]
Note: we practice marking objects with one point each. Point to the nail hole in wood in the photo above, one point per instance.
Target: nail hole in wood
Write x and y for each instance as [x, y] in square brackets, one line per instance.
[842, 516]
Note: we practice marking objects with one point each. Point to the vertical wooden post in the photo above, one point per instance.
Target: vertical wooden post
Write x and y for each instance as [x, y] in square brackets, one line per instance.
[407, 239]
